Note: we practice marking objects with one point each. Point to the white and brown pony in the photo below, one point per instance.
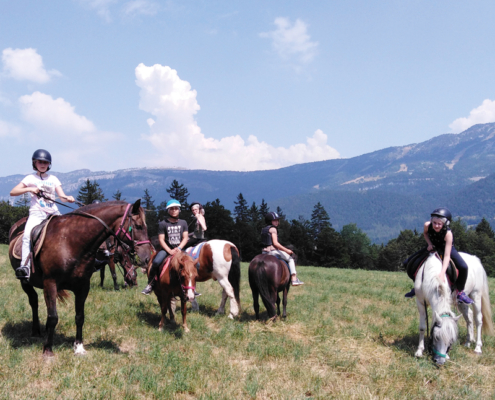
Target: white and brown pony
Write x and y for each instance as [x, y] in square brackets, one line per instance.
[219, 260]
[430, 291]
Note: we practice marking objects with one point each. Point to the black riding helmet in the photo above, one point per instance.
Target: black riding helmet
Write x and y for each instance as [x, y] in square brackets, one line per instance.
[195, 203]
[271, 216]
[41, 155]
[443, 212]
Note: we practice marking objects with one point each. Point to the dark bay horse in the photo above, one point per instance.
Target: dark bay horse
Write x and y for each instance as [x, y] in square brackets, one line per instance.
[178, 278]
[267, 277]
[120, 256]
[66, 259]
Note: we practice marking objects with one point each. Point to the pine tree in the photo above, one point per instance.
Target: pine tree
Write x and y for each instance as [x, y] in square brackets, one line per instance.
[179, 192]
[151, 214]
[118, 195]
[219, 222]
[264, 209]
[90, 192]
[241, 211]
[320, 220]
[484, 227]
[23, 200]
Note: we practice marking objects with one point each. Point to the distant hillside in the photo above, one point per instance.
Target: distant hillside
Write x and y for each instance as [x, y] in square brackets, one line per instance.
[383, 191]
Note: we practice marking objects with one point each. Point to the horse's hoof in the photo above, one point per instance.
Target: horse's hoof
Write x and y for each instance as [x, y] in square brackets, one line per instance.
[231, 316]
[477, 351]
[186, 329]
[79, 349]
[468, 345]
[419, 353]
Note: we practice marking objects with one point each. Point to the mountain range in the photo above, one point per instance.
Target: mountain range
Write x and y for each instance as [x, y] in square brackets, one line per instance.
[382, 192]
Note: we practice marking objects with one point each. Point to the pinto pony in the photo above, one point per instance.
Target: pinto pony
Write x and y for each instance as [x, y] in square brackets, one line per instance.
[430, 291]
[177, 278]
[268, 276]
[67, 256]
[219, 260]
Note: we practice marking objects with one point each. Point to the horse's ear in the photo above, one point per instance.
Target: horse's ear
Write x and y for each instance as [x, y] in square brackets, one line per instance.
[135, 207]
[457, 318]
[437, 319]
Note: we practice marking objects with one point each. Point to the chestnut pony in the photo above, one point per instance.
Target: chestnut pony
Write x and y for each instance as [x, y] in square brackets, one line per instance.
[267, 277]
[66, 259]
[123, 258]
[177, 279]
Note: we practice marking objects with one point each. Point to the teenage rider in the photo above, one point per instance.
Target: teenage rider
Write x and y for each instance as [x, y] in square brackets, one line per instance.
[269, 241]
[41, 207]
[173, 236]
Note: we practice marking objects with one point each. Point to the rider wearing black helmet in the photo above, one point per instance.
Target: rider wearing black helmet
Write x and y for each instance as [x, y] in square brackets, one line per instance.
[439, 237]
[42, 206]
[269, 241]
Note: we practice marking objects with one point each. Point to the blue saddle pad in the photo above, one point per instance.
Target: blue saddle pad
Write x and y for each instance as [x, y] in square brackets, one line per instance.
[193, 252]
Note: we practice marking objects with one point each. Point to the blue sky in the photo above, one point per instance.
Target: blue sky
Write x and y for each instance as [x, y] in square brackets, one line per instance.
[112, 84]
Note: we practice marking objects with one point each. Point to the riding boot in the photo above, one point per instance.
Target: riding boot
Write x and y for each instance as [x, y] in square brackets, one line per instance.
[23, 272]
[410, 294]
[151, 282]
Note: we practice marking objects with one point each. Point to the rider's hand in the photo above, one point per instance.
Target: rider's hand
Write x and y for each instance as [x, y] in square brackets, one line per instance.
[70, 199]
[175, 251]
[441, 278]
[33, 189]
[431, 247]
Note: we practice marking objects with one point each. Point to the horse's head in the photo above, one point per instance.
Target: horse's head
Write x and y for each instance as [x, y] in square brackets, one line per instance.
[443, 335]
[139, 234]
[185, 268]
[130, 275]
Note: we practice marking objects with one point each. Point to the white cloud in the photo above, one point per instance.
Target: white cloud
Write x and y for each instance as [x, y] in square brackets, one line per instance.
[140, 7]
[176, 135]
[26, 64]
[51, 114]
[480, 115]
[292, 40]
[102, 7]
[8, 129]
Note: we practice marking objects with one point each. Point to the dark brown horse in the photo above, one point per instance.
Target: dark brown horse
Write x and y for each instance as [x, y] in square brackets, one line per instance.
[120, 256]
[178, 278]
[66, 259]
[267, 277]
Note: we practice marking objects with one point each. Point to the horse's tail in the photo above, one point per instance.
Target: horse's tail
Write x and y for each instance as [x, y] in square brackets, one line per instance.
[262, 284]
[235, 274]
[486, 309]
[63, 296]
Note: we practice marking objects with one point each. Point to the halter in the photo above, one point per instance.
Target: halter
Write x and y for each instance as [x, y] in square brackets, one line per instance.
[432, 348]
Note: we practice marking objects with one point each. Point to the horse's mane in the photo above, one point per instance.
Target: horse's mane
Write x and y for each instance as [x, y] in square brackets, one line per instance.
[179, 259]
[432, 287]
[93, 207]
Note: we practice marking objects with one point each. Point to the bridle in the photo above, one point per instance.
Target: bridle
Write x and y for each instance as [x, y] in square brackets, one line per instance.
[430, 341]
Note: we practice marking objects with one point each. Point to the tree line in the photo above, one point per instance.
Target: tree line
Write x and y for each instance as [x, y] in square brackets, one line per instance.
[315, 241]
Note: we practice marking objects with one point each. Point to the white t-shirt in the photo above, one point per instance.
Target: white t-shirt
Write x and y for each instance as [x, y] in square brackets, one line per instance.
[47, 185]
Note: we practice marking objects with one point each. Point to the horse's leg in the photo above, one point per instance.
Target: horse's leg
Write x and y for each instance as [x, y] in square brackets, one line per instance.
[50, 293]
[163, 307]
[468, 317]
[478, 320]
[278, 304]
[284, 302]
[228, 290]
[81, 296]
[102, 275]
[422, 327]
[33, 302]
[256, 301]
[111, 265]
[183, 309]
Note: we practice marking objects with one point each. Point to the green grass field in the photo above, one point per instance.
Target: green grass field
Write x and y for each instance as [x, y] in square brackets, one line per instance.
[348, 335]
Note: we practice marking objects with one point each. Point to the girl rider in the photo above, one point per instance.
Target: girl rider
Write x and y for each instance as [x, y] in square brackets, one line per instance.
[40, 208]
[173, 236]
[269, 240]
[438, 236]
[198, 235]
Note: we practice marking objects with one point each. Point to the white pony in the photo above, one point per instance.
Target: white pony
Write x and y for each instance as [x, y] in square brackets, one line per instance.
[430, 291]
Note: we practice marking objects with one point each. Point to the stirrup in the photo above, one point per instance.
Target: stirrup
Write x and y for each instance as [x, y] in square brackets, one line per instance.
[23, 272]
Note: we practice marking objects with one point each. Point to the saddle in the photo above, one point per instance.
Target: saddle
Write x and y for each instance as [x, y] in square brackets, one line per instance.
[414, 262]
[163, 268]
[194, 253]
[37, 238]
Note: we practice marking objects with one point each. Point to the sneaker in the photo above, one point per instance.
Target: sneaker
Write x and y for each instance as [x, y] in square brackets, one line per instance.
[463, 298]
[410, 294]
[297, 282]
[23, 272]
[147, 290]
[196, 294]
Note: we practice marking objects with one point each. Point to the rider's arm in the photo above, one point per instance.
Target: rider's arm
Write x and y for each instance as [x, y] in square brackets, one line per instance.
[276, 244]
[427, 237]
[62, 195]
[446, 254]
[201, 221]
[185, 238]
[21, 188]
[163, 244]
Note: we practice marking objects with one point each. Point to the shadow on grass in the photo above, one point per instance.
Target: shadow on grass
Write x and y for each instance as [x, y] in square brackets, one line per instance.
[407, 344]
[153, 320]
[106, 345]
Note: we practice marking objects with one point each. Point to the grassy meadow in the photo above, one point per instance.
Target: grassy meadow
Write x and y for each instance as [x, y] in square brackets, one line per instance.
[349, 334]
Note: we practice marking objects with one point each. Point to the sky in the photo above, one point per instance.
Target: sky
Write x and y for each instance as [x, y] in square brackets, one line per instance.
[234, 85]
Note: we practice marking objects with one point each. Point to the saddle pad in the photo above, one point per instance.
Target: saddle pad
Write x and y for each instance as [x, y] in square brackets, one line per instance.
[37, 235]
[164, 267]
[193, 252]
